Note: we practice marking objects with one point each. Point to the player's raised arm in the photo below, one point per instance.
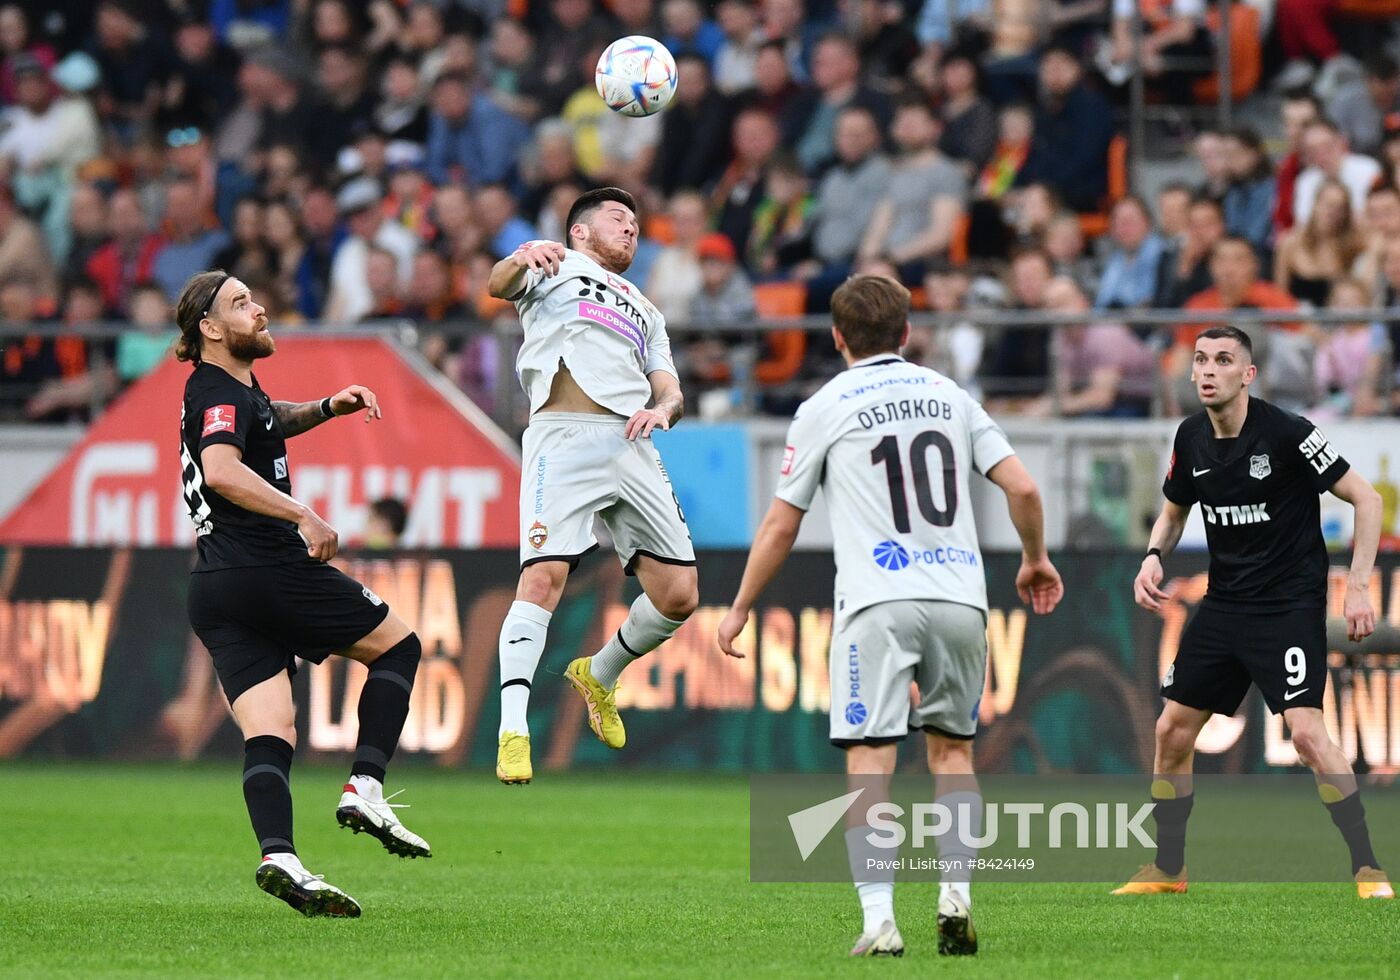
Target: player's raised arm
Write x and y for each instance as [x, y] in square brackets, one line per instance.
[298, 417]
[1166, 532]
[771, 545]
[1357, 491]
[1038, 583]
[508, 276]
[227, 475]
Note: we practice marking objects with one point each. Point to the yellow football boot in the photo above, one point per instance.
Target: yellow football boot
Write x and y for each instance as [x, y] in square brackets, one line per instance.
[1152, 880]
[513, 759]
[601, 702]
[1372, 883]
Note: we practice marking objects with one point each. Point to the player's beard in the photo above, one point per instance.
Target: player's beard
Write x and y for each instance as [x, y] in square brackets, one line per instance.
[615, 256]
[252, 346]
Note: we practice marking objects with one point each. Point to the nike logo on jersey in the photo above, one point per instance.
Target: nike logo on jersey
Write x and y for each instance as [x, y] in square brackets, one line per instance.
[518, 639]
[269, 425]
[1290, 695]
[1235, 516]
[1196, 472]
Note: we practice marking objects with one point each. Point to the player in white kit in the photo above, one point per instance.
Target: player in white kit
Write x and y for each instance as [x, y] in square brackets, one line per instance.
[596, 364]
[894, 445]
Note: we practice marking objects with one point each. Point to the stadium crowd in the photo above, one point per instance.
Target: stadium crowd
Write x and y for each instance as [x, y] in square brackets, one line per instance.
[356, 162]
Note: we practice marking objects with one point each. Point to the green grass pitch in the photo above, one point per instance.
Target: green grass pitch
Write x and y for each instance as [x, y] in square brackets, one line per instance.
[148, 870]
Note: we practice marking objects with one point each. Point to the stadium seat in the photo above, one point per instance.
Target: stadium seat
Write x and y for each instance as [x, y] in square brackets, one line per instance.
[957, 243]
[1094, 225]
[658, 228]
[1246, 55]
[785, 349]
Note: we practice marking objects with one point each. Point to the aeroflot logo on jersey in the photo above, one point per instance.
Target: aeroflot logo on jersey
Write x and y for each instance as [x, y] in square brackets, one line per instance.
[1235, 516]
[893, 556]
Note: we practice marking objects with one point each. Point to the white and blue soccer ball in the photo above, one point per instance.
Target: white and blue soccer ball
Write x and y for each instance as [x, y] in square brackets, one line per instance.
[636, 76]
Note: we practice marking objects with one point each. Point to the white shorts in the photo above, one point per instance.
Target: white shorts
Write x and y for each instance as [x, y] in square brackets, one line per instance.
[880, 650]
[578, 466]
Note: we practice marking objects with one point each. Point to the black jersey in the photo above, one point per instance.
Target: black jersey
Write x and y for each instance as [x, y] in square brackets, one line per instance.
[1259, 496]
[220, 408]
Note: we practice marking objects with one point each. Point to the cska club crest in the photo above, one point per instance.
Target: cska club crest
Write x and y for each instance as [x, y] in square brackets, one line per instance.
[1259, 466]
[537, 535]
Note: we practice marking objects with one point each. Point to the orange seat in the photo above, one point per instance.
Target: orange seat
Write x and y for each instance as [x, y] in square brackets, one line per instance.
[957, 243]
[785, 348]
[659, 228]
[1094, 225]
[1246, 55]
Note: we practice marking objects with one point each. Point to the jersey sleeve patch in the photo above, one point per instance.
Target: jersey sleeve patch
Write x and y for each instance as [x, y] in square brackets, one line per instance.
[789, 454]
[218, 418]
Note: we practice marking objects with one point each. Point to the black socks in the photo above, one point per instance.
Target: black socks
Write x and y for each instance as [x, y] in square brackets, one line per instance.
[1170, 816]
[384, 706]
[267, 789]
[1350, 817]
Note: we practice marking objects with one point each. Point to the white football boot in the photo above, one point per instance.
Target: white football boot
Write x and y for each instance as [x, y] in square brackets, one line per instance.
[885, 941]
[379, 821]
[282, 876]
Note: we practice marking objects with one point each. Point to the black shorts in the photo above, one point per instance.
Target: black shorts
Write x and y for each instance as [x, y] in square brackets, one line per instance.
[254, 621]
[1221, 653]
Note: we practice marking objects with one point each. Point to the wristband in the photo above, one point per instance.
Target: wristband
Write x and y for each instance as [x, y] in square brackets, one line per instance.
[326, 408]
[1154, 553]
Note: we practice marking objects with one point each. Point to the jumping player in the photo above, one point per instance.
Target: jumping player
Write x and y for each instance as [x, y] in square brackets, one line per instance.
[262, 594]
[894, 446]
[1256, 471]
[596, 364]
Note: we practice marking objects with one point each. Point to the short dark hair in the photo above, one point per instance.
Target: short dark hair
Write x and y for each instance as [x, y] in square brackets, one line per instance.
[1381, 66]
[393, 511]
[1227, 332]
[870, 313]
[194, 302]
[1304, 95]
[591, 201]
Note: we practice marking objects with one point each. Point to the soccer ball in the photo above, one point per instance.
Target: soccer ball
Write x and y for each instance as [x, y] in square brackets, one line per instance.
[636, 76]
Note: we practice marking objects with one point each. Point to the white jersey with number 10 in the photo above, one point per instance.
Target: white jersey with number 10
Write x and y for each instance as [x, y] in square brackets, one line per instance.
[893, 444]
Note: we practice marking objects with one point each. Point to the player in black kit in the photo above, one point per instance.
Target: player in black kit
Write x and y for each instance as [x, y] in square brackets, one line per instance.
[262, 594]
[1256, 471]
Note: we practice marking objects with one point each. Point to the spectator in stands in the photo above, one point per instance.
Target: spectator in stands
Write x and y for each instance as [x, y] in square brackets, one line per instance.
[282, 235]
[916, 216]
[1185, 269]
[141, 349]
[1017, 365]
[384, 527]
[675, 277]
[1249, 199]
[954, 350]
[1300, 109]
[1101, 369]
[548, 163]
[1064, 243]
[1130, 275]
[246, 254]
[515, 75]
[134, 61]
[504, 230]
[202, 86]
[969, 122]
[359, 203]
[400, 113]
[382, 278]
[1209, 150]
[129, 255]
[1175, 50]
[611, 148]
[743, 184]
[944, 23]
[636, 17]
[726, 295]
[192, 239]
[410, 198]
[87, 229]
[430, 297]
[470, 139]
[687, 31]
[23, 253]
[776, 93]
[1351, 356]
[573, 31]
[16, 40]
[1311, 257]
[994, 194]
[52, 375]
[1327, 155]
[782, 222]
[1073, 127]
[694, 130]
[836, 75]
[885, 44]
[842, 212]
[1380, 227]
[1361, 108]
[736, 62]
[322, 236]
[1173, 210]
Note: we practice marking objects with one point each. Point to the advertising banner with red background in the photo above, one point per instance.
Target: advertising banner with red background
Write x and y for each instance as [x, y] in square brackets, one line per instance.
[433, 449]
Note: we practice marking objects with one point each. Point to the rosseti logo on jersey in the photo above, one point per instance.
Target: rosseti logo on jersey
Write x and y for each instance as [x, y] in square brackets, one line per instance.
[855, 710]
[1232, 516]
[893, 556]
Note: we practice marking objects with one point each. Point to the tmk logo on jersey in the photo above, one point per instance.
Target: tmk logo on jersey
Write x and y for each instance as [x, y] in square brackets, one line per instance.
[1318, 451]
[220, 418]
[1259, 466]
[891, 556]
[1235, 516]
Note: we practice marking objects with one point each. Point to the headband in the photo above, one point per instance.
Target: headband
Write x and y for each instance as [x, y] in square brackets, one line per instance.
[208, 303]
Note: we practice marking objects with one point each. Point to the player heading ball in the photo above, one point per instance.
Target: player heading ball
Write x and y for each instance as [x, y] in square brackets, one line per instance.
[261, 593]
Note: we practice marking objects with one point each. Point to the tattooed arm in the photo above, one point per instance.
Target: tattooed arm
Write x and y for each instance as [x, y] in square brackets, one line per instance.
[298, 417]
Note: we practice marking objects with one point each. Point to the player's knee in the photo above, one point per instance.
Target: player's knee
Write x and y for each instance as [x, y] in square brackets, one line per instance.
[949, 755]
[542, 583]
[402, 658]
[677, 604]
[1310, 741]
[1174, 740]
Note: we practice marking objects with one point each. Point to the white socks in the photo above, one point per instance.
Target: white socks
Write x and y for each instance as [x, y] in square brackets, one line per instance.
[644, 630]
[368, 788]
[521, 645]
[966, 825]
[875, 886]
